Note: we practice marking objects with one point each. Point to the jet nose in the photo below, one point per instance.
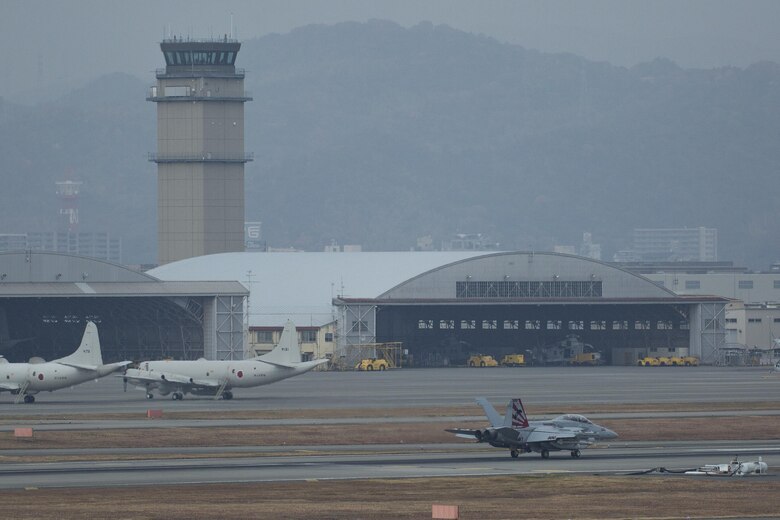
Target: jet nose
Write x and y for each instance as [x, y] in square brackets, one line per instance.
[606, 433]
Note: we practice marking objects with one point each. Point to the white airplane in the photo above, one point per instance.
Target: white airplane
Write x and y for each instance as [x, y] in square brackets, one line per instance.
[218, 378]
[26, 379]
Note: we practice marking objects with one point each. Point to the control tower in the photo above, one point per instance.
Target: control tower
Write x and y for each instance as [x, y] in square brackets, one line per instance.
[200, 149]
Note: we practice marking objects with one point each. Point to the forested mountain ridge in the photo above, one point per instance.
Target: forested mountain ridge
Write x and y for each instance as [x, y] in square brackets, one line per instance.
[375, 134]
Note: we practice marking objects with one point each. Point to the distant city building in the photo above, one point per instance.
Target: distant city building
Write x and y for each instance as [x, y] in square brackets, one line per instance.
[200, 149]
[588, 249]
[68, 193]
[67, 238]
[626, 255]
[334, 247]
[424, 244]
[469, 242]
[13, 242]
[676, 245]
[94, 245]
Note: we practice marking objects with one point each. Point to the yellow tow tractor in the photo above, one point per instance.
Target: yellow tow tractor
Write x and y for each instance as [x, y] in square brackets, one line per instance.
[691, 361]
[371, 364]
[648, 362]
[676, 361]
[479, 360]
[513, 360]
[586, 358]
[664, 361]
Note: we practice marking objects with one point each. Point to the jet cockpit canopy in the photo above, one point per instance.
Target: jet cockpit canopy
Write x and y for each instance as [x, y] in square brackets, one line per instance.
[574, 417]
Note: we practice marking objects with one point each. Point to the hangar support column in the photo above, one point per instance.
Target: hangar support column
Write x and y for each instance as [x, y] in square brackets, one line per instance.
[707, 330]
[223, 328]
[356, 326]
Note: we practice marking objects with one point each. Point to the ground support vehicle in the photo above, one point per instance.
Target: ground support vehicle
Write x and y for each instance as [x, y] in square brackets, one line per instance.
[479, 360]
[586, 358]
[513, 360]
[371, 364]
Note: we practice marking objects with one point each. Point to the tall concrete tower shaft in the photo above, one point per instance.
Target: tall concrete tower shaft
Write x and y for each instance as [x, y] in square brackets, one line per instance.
[200, 149]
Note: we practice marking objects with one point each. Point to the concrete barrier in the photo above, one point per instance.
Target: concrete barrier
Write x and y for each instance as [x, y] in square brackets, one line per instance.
[154, 414]
[442, 512]
[23, 433]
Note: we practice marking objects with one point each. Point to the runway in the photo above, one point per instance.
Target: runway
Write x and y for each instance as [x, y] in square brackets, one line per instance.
[538, 386]
[417, 462]
[569, 388]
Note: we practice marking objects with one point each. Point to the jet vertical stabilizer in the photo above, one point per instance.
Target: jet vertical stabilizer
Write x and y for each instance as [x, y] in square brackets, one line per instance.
[519, 417]
[288, 351]
[495, 420]
[88, 354]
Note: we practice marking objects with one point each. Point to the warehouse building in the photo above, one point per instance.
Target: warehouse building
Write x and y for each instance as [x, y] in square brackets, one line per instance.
[443, 306]
[46, 299]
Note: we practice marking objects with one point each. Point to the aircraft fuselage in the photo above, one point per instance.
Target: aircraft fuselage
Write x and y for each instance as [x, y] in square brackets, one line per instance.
[49, 376]
[237, 373]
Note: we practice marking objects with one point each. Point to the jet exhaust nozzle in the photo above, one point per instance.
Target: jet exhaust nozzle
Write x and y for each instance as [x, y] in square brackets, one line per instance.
[486, 435]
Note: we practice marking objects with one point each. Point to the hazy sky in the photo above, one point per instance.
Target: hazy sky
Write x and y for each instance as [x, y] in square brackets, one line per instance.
[50, 46]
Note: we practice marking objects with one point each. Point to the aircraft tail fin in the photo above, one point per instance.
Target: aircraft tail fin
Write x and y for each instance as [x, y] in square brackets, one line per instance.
[495, 420]
[515, 414]
[88, 354]
[287, 351]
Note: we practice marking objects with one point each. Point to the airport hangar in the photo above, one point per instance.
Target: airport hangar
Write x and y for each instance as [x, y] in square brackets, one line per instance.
[46, 299]
[442, 306]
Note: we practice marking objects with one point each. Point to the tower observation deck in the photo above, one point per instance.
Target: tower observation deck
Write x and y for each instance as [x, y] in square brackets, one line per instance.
[200, 149]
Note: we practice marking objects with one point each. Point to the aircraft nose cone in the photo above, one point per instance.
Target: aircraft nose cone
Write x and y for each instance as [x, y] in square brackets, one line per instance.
[606, 433]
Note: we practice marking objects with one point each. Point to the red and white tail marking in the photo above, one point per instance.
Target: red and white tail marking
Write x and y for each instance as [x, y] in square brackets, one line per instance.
[519, 418]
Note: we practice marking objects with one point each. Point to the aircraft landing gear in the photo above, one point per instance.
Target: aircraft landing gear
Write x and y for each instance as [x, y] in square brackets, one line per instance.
[576, 454]
[227, 395]
[149, 395]
[178, 396]
[29, 398]
[545, 454]
[514, 454]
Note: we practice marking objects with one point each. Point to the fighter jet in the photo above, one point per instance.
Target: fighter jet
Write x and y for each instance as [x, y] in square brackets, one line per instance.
[85, 364]
[218, 378]
[568, 432]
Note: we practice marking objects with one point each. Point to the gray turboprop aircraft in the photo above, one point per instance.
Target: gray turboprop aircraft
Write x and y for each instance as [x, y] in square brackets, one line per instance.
[26, 379]
[218, 378]
[568, 432]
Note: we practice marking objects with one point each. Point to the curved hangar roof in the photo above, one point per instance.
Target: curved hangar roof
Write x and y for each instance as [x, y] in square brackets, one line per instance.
[301, 285]
[514, 276]
[50, 274]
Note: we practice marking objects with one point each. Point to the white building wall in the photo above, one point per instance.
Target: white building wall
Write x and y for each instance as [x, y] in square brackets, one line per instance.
[747, 287]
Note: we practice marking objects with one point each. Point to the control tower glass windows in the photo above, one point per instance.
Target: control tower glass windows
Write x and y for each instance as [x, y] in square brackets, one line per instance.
[200, 57]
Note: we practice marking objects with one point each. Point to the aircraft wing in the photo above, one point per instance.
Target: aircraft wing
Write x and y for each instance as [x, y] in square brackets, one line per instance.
[277, 364]
[549, 435]
[9, 387]
[463, 433]
[505, 433]
[306, 365]
[140, 378]
[207, 383]
[79, 365]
